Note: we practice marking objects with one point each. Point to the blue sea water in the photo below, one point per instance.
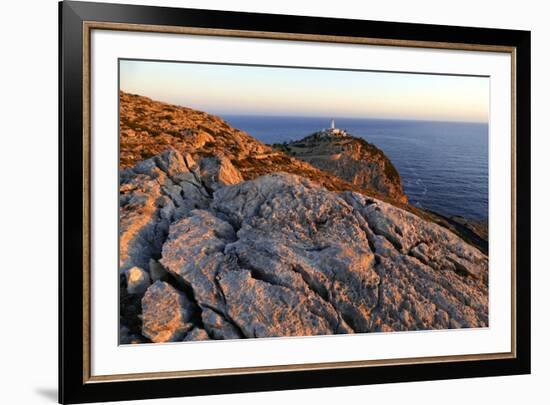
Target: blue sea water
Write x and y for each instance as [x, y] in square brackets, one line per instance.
[443, 165]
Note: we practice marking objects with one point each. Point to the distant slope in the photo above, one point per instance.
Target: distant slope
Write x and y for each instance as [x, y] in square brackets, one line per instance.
[149, 127]
[351, 159]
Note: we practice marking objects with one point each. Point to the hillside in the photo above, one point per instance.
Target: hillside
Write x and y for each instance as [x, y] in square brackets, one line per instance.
[349, 158]
[149, 127]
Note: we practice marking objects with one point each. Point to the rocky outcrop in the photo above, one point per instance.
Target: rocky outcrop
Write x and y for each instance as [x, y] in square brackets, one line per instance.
[218, 171]
[281, 255]
[352, 159]
[138, 280]
[166, 313]
[153, 194]
[431, 278]
[148, 128]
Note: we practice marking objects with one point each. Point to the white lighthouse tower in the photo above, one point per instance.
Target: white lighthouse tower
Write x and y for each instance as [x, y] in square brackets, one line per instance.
[333, 131]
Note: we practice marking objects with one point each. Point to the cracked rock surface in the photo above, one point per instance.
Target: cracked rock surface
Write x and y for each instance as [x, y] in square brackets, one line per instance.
[280, 255]
[166, 313]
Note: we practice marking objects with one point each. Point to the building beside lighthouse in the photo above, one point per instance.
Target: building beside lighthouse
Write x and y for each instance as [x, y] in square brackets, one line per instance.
[333, 131]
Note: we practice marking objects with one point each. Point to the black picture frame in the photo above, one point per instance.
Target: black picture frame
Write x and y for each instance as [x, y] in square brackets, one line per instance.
[73, 387]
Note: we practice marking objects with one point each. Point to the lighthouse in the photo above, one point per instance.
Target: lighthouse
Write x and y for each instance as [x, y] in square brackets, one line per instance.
[333, 131]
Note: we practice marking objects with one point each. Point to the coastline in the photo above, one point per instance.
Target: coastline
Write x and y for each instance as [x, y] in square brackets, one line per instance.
[224, 237]
[443, 165]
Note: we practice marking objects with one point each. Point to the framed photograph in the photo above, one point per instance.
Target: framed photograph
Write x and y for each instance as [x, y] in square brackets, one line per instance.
[256, 202]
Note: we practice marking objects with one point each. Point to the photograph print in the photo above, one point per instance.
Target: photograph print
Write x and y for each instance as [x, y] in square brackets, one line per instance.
[271, 201]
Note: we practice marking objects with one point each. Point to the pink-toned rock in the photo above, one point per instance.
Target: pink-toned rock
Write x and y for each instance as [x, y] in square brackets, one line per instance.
[441, 281]
[137, 280]
[153, 194]
[218, 171]
[167, 313]
[263, 309]
[197, 334]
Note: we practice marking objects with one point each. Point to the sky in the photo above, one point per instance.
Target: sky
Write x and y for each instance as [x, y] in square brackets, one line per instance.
[257, 90]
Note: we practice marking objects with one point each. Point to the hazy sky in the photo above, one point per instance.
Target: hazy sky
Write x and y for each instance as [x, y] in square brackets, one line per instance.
[226, 89]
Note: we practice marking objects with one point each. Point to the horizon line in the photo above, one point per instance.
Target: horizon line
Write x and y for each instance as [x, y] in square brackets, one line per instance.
[251, 114]
[344, 117]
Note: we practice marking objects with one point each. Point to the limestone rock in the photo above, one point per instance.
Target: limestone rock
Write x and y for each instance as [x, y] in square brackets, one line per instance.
[193, 252]
[263, 309]
[153, 194]
[282, 256]
[197, 334]
[218, 171]
[359, 254]
[219, 326]
[441, 281]
[297, 235]
[426, 241]
[137, 280]
[167, 313]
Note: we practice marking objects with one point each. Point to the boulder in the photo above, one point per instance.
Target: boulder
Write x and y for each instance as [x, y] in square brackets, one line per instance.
[153, 194]
[167, 313]
[218, 171]
[193, 252]
[137, 280]
[196, 334]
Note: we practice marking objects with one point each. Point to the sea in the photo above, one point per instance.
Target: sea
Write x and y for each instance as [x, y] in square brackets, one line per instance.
[443, 165]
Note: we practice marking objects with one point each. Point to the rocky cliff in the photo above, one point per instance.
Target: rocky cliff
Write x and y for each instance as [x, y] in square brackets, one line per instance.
[206, 255]
[351, 159]
[149, 127]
